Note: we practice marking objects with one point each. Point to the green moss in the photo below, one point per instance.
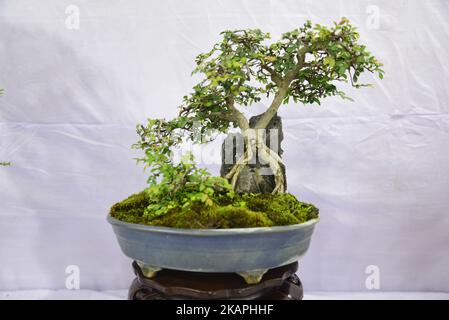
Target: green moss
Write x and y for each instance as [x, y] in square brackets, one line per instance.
[282, 209]
[131, 209]
[234, 217]
[242, 211]
[275, 207]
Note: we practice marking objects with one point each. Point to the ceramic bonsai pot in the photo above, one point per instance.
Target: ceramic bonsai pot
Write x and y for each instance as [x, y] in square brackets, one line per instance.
[249, 252]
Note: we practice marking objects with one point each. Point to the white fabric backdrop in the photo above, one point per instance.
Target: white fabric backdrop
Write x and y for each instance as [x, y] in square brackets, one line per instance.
[377, 168]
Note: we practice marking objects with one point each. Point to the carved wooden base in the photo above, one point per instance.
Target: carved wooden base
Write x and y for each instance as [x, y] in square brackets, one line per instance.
[277, 284]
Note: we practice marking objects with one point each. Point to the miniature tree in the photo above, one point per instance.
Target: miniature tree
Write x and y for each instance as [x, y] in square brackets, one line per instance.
[305, 66]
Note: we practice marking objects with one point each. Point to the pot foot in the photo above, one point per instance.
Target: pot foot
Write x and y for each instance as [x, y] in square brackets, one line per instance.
[252, 277]
[147, 270]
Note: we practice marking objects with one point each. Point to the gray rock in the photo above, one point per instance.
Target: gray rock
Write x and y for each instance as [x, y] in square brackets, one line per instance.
[257, 177]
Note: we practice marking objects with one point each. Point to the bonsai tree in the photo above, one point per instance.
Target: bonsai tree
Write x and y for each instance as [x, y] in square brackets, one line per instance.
[304, 66]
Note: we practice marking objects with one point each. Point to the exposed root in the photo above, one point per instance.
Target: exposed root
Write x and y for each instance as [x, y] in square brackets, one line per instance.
[234, 174]
[267, 155]
[274, 161]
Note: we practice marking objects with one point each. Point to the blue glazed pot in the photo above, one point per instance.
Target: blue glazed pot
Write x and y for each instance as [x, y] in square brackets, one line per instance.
[214, 250]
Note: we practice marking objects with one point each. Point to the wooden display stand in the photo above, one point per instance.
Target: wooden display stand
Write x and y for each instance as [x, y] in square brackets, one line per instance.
[277, 284]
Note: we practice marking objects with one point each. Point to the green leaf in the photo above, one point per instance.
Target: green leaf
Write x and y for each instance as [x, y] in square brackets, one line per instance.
[330, 61]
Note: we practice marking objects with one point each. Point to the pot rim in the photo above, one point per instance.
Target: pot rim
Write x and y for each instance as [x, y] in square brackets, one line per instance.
[210, 232]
